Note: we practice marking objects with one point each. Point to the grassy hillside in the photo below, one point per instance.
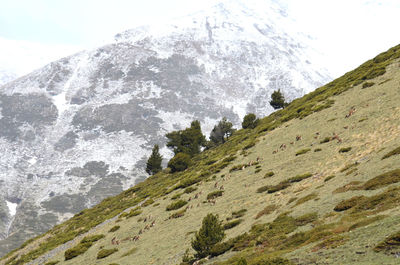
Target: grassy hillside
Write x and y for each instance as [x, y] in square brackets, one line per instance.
[331, 197]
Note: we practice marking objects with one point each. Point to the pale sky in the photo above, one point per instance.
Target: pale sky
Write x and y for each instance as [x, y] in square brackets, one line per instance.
[34, 33]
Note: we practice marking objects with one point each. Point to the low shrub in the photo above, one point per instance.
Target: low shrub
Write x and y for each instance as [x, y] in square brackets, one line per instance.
[317, 150]
[331, 242]
[269, 174]
[306, 219]
[347, 204]
[176, 196]
[392, 153]
[353, 185]
[348, 166]
[328, 178]
[104, 253]
[134, 212]
[114, 228]
[249, 145]
[278, 187]
[267, 210]
[325, 140]
[344, 149]
[239, 213]
[215, 194]
[367, 84]
[220, 248]
[299, 178]
[176, 205]
[148, 202]
[189, 190]
[303, 151]
[178, 214]
[77, 250]
[306, 198]
[390, 244]
[232, 224]
[382, 180]
[257, 170]
[263, 189]
[238, 167]
[92, 239]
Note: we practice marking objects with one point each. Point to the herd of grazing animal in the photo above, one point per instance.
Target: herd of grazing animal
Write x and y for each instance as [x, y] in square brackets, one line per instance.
[282, 147]
[115, 241]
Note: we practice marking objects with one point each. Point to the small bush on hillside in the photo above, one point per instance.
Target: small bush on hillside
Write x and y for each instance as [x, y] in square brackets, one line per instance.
[367, 84]
[232, 224]
[214, 194]
[179, 162]
[238, 167]
[269, 174]
[329, 178]
[92, 239]
[249, 145]
[176, 196]
[176, 205]
[189, 190]
[257, 170]
[267, 210]
[114, 228]
[134, 212]
[303, 151]
[77, 250]
[299, 178]
[382, 180]
[392, 153]
[306, 198]
[239, 213]
[325, 140]
[344, 149]
[178, 214]
[104, 253]
[241, 261]
[347, 204]
[390, 244]
[148, 202]
[317, 150]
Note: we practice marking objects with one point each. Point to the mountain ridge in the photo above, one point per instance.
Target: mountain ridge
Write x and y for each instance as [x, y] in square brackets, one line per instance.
[79, 129]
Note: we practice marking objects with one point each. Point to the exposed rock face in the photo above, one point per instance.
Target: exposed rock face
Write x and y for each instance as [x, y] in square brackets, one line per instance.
[79, 129]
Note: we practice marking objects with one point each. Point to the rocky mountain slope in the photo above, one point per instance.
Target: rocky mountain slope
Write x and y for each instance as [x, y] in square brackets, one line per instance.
[314, 183]
[79, 129]
[6, 76]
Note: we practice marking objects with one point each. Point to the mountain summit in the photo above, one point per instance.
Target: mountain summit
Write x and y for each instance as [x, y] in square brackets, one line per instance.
[78, 130]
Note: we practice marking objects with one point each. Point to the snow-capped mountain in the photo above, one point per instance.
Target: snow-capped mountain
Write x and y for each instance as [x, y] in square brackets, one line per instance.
[79, 129]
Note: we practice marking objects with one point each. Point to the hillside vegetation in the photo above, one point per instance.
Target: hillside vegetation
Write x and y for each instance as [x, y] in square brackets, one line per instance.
[315, 183]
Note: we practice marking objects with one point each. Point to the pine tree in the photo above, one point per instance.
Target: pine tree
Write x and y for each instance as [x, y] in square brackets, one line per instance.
[153, 165]
[221, 132]
[210, 233]
[277, 100]
[188, 141]
[250, 121]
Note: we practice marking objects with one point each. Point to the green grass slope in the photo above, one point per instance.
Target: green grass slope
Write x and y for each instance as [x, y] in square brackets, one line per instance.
[331, 197]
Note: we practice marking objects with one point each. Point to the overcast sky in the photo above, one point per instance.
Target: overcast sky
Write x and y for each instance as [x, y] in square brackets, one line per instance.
[33, 33]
